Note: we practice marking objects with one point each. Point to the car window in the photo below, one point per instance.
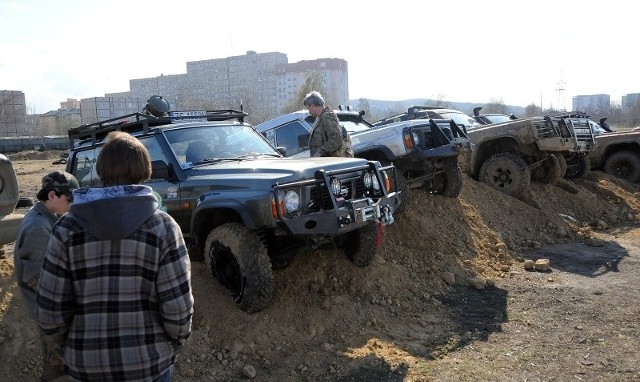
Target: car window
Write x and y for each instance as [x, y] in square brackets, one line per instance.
[289, 135]
[84, 162]
[84, 167]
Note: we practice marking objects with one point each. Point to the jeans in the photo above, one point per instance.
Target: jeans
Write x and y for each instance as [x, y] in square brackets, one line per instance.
[166, 376]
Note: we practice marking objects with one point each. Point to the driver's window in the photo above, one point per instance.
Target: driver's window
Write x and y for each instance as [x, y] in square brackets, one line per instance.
[288, 135]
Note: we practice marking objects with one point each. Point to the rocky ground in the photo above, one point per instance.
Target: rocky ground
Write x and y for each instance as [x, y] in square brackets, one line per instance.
[448, 298]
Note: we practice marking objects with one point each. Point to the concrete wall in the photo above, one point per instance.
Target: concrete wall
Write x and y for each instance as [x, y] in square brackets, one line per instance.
[17, 144]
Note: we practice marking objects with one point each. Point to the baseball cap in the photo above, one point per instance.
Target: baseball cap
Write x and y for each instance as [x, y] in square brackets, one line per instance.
[60, 181]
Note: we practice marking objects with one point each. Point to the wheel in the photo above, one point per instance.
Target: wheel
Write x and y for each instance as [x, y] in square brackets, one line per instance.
[361, 245]
[449, 182]
[624, 164]
[563, 164]
[578, 166]
[549, 170]
[506, 172]
[404, 193]
[238, 259]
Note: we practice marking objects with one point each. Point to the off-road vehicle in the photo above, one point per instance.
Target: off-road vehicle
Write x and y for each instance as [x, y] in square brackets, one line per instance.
[425, 152]
[508, 155]
[617, 154]
[243, 207]
[9, 197]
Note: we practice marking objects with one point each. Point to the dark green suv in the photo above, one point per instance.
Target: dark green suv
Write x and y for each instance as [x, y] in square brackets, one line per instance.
[241, 205]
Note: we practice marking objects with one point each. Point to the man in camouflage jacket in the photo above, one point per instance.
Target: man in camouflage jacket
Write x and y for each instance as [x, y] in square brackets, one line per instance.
[328, 138]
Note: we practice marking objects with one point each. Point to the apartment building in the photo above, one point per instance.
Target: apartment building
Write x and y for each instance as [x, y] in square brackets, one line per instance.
[631, 100]
[591, 103]
[263, 83]
[13, 114]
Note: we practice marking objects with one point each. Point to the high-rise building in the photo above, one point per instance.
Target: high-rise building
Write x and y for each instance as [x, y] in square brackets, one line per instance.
[630, 100]
[263, 83]
[13, 114]
[592, 103]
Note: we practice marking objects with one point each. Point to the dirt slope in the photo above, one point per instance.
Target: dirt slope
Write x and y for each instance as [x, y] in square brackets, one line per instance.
[446, 299]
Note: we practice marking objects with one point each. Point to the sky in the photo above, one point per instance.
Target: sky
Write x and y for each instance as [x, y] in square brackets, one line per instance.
[542, 52]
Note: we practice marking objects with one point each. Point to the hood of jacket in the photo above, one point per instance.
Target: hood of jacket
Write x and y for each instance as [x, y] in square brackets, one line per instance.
[111, 213]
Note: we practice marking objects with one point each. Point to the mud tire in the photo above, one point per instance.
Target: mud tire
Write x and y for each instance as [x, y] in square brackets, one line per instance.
[577, 166]
[506, 172]
[236, 257]
[549, 170]
[360, 246]
[563, 164]
[624, 164]
[449, 183]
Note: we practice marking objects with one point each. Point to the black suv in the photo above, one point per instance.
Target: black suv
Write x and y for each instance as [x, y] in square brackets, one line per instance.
[242, 207]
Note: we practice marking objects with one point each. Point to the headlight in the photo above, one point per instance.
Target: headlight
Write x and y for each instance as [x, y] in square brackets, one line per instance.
[335, 186]
[376, 184]
[368, 180]
[291, 201]
[416, 138]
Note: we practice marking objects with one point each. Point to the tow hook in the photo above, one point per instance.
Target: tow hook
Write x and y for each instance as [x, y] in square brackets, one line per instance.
[386, 217]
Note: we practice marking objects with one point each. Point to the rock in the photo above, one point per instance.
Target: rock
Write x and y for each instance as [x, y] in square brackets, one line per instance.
[449, 278]
[529, 264]
[541, 265]
[249, 371]
[477, 282]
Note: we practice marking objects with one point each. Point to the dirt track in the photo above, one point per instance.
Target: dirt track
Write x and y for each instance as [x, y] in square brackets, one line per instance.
[443, 301]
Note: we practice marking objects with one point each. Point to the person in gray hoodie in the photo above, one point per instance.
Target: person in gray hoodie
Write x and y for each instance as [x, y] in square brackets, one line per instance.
[54, 199]
[115, 290]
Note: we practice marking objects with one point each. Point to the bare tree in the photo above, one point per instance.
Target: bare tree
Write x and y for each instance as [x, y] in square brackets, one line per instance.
[313, 81]
[532, 110]
[495, 106]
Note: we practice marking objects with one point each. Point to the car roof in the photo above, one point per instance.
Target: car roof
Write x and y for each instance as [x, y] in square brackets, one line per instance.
[296, 116]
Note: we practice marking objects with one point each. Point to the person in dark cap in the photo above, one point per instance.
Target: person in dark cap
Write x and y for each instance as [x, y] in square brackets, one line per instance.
[54, 199]
[605, 125]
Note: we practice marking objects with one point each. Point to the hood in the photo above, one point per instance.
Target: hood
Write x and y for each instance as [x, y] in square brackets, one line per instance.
[275, 169]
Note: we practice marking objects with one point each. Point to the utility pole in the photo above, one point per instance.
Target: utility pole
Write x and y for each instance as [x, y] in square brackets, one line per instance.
[560, 90]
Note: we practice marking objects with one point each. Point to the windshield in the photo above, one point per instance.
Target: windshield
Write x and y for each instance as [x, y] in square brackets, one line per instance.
[205, 144]
[596, 128]
[459, 118]
[354, 127]
[498, 118]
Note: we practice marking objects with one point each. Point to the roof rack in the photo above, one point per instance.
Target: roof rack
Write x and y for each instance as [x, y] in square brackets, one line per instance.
[139, 122]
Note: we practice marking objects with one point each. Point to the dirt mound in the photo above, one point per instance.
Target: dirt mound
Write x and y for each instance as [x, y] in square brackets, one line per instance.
[36, 155]
[333, 321]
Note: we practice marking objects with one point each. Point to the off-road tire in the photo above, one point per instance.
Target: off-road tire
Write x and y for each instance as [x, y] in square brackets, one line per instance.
[449, 183]
[624, 164]
[563, 164]
[360, 246]
[238, 259]
[404, 193]
[506, 172]
[549, 170]
[578, 165]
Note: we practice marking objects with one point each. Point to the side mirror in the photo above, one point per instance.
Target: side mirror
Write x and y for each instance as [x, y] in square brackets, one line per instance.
[303, 141]
[159, 170]
[282, 150]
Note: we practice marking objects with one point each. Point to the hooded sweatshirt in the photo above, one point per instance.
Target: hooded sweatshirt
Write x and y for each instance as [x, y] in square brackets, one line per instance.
[115, 289]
